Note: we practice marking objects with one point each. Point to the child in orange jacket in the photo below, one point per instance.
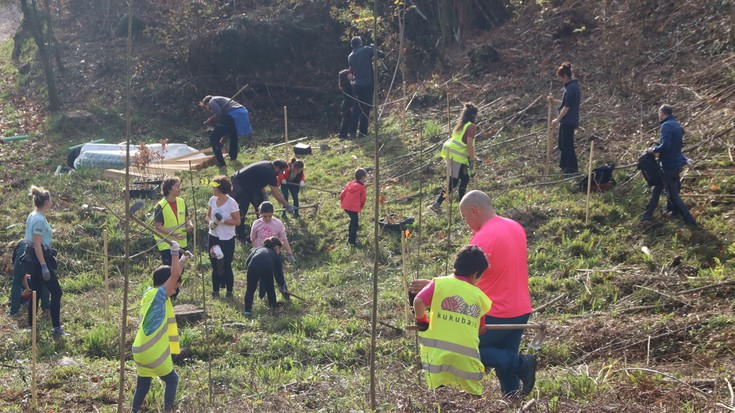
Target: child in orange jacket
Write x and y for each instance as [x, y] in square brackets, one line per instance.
[352, 200]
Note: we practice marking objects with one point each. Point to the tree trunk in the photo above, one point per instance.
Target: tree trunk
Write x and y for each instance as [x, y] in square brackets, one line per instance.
[52, 41]
[31, 15]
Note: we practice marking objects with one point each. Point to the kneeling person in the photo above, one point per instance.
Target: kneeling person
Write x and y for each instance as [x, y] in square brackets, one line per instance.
[449, 336]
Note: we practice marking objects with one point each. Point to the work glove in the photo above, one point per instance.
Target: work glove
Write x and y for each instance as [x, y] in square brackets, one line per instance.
[422, 323]
[217, 220]
[185, 256]
[46, 273]
[302, 185]
[291, 258]
[290, 208]
[284, 291]
[175, 248]
[284, 182]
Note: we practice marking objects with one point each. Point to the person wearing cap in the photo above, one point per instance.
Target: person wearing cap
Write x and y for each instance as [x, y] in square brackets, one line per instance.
[223, 215]
[248, 188]
[228, 118]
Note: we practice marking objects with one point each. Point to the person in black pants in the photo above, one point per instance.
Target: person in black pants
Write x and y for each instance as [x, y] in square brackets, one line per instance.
[672, 161]
[568, 119]
[348, 100]
[248, 188]
[265, 264]
[39, 259]
[292, 181]
[228, 118]
[361, 66]
[223, 214]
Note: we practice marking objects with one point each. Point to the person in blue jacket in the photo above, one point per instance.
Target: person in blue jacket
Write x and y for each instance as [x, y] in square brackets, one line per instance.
[361, 67]
[672, 161]
[568, 119]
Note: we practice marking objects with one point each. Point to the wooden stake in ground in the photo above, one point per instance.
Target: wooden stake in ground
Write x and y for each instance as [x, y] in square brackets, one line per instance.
[34, 350]
[404, 277]
[107, 275]
[285, 130]
[549, 140]
[589, 181]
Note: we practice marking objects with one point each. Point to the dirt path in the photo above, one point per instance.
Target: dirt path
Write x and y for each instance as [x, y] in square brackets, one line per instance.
[10, 17]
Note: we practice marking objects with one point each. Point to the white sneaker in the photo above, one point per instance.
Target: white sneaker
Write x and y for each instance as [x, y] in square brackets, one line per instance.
[436, 208]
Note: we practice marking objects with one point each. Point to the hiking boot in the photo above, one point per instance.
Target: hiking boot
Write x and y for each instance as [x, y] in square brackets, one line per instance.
[527, 373]
[229, 295]
[247, 314]
[215, 294]
[436, 208]
[58, 332]
[646, 218]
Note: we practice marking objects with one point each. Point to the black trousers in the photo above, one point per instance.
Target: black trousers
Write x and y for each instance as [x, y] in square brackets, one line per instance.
[568, 157]
[264, 276]
[463, 180]
[354, 226]
[361, 109]
[52, 285]
[225, 127]
[294, 191]
[244, 199]
[222, 275]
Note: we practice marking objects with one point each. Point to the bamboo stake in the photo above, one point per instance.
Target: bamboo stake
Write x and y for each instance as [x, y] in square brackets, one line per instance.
[199, 267]
[589, 181]
[549, 139]
[285, 130]
[449, 192]
[376, 227]
[34, 348]
[107, 275]
[404, 277]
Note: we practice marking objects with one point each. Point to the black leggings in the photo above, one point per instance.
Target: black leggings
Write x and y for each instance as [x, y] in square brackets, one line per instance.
[244, 199]
[37, 283]
[463, 180]
[264, 276]
[226, 276]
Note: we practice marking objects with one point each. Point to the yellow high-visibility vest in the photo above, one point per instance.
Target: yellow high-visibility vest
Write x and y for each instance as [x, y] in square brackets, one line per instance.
[171, 221]
[455, 149]
[152, 353]
[449, 348]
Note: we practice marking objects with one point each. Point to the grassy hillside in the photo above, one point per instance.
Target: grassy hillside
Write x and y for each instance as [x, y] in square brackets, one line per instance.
[628, 334]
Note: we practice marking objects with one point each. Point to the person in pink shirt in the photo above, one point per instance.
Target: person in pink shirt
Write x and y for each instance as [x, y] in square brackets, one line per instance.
[505, 283]
[268, 226]
[352, 200]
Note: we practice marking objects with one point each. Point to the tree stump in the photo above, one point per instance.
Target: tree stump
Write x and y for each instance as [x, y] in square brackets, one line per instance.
[188, 314]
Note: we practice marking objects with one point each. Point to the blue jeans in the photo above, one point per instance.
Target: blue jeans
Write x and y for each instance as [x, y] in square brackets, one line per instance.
[294, 191]
[499, 350]
[672, 184]
[169, 395]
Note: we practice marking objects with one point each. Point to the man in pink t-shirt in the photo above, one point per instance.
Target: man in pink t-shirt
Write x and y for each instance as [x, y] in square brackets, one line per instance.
[505, 282]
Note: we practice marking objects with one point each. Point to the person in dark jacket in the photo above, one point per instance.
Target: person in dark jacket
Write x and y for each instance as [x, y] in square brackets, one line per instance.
[265, 264]
[352, 200]
[228, 118]
[568, 119]
[361, 66]
[348, 100]
[292, 181]
[672, 161]
[248, 188]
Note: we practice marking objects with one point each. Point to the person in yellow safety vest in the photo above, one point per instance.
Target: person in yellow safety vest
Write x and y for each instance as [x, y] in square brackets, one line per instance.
[158, 335]
[449, 337]
[170, 215]
[459, 152]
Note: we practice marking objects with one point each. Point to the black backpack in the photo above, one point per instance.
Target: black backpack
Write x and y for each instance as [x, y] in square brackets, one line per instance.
[650, 169]
[602, 179]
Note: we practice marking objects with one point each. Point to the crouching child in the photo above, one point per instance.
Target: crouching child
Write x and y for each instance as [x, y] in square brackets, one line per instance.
[449, 335]
[158, 335]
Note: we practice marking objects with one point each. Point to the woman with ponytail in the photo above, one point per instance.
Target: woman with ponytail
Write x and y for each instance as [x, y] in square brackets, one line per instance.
[40, 259]
[459, 152]
[568, 119]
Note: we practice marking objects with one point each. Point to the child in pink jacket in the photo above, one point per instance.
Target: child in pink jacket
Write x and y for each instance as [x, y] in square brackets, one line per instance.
[352, 200]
